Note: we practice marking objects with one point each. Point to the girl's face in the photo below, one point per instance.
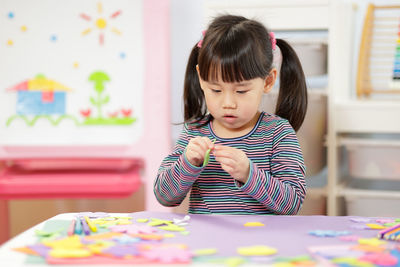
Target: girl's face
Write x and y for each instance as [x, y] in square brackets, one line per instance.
[234, 106]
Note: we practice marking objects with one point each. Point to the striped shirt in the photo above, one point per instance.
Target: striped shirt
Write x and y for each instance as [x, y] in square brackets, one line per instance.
[275, 184]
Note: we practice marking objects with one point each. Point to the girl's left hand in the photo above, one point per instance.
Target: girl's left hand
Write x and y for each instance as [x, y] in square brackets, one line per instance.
[234, 161]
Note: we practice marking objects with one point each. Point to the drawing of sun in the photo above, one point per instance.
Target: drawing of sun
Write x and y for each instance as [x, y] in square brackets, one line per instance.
[100, 23]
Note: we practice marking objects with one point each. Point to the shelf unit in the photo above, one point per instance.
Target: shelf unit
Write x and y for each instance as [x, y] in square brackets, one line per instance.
[360, 118]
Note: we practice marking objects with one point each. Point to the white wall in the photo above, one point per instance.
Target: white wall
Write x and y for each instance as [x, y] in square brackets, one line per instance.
[186, 28]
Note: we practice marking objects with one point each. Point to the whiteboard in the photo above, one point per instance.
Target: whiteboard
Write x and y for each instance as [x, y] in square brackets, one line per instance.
[71, 72]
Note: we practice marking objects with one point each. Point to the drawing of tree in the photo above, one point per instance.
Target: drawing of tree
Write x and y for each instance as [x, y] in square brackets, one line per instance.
[99, 78]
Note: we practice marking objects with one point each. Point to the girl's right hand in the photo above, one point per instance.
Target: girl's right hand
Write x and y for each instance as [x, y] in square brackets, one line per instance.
[196, 150]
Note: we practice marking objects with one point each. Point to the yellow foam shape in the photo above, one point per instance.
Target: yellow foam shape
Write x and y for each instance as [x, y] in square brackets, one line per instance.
[371, 241]
[142, 220]
[70, 242]
[253, 224]
[172, 228]
[98, 248]
[234, 261]
[124, 222]
[157, 222]
[205, 251]
[256, 251]
[375, 226]
[169, 235]
[69, 253]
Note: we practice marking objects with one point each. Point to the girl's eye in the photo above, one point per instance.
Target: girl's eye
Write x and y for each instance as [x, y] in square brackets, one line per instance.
[215, 90]
[242, 91]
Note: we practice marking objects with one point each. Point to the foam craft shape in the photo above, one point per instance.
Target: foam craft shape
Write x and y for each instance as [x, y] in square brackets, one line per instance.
[369, 248]
[253, 224]
[133, 229]
[168, 254]
[256, 251]
[371, 241]
[70, 242]
[207, 157]
[102, 236]
[69, 253]
[375, 226]
[158, 222]
[172, 228]
[150, 236]
[205, 251]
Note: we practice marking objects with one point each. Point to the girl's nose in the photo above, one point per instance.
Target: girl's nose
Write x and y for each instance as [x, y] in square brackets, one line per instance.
[228, 101]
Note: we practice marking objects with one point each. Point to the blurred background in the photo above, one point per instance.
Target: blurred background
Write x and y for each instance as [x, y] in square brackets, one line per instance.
[350, 52]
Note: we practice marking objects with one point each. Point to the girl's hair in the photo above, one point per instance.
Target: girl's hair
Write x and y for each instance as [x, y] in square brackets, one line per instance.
[240, 49]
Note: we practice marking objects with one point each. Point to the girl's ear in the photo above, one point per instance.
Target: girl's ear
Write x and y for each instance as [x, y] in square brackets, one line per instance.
[270, 80]
[200, 80]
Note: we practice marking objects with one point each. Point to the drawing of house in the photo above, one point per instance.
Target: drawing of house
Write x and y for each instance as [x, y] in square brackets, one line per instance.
[40, 96]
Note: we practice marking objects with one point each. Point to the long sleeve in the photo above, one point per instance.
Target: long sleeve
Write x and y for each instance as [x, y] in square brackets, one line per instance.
[281, 190]
[175, 175]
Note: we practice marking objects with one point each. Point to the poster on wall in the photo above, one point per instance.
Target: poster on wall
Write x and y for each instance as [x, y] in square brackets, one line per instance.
[71, 72]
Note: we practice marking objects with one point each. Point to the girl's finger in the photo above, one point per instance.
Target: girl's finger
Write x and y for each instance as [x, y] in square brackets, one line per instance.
[226, 161]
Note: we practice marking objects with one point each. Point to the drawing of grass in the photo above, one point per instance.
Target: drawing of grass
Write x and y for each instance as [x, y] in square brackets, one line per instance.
[32, 122]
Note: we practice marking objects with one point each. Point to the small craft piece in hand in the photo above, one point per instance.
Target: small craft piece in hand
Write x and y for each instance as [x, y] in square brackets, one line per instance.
[207, 156]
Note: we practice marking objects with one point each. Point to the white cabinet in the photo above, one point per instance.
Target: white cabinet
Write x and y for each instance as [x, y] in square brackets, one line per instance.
[363, 136]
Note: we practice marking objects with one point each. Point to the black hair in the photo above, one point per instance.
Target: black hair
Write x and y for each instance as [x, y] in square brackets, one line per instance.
[240, 49]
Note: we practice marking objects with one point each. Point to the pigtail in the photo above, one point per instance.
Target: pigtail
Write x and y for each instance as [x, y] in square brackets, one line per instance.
[193, 96]
[292, 99]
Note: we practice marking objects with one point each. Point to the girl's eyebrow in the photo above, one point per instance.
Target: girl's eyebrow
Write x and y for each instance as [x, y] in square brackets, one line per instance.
[213, 82]
[236, 84]
[243, 84]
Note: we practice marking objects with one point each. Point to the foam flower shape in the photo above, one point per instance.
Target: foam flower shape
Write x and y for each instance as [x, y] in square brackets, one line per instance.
[167, 253]
[132, 229]
[381, 259]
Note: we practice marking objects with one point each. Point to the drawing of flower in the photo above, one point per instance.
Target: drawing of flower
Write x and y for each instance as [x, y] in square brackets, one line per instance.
[126, 112]
[85, 112]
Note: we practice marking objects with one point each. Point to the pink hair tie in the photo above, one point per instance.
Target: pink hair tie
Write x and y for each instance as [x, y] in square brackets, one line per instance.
[273, 40]
[200, 43]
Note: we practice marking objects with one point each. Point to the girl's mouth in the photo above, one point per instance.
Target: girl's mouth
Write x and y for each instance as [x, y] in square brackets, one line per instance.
[229, 118]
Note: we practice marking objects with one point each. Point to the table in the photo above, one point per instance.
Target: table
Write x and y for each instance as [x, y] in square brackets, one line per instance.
[290, 235]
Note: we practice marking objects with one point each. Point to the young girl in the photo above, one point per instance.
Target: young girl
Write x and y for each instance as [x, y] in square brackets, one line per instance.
[256, 164]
